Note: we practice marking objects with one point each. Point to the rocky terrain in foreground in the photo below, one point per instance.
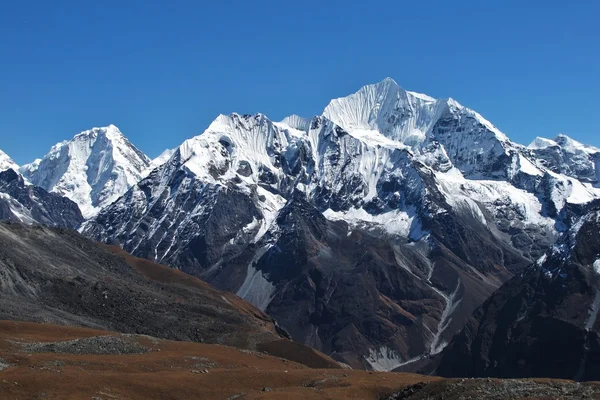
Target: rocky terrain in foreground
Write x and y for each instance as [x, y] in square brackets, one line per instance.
[43, 361]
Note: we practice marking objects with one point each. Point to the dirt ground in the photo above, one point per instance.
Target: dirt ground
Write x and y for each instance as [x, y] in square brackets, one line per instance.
[43, 361]
[165, 370]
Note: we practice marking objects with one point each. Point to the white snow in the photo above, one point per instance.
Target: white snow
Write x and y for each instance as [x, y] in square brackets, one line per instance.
[395, 222]
[527, 167]
[540, 261]
[461, 192]
[540, 143]
[573, 146]
[7, 163]
[596, 266]
[93, 169]
[452, 303]
[248, 139]
[270, 207]
[160, 160]
[571, 190]
[256, 289]
[296, 122]
[383, 359]
[401, 116]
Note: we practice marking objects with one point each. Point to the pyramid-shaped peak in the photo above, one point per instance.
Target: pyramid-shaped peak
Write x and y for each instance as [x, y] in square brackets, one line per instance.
[6, 162]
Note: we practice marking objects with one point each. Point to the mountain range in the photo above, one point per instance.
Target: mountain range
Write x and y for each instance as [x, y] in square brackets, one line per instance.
[377, 232]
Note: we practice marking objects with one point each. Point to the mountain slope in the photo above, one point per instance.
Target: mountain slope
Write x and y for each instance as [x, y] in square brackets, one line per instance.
[93, 169]
[420, 205]
[58, 276]
[543, 322]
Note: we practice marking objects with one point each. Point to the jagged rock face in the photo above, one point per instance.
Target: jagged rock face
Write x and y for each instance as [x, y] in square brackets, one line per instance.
[93, 169]
[543, 322]
[420, 205]
[22, 202]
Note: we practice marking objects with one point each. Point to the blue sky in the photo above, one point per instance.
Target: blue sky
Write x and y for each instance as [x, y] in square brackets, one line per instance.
[162, 71]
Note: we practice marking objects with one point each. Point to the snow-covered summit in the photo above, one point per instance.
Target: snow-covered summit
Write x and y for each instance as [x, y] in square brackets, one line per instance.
[563, 141]
[6, 162]
[387, 109]
[573, 146]
[400, 115]
[93, 169]
[441, 132]
[540, 143]
[568, 156]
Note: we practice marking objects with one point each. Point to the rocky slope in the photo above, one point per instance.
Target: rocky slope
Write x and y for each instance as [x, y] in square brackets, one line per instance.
[93, 169]
[420, 205]
[544, 321]
[58, 276]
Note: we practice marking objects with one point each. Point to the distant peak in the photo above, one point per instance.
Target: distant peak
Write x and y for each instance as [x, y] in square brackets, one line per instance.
[392, 84]
[389, 81]
[235, 120]
[296, 122]
[453, 103]
[110, 131]
[6, 162]
[540, 143]
[571, 145]
[563, 139]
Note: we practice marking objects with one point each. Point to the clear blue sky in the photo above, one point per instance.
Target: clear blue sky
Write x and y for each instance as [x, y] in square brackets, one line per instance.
[161, 71]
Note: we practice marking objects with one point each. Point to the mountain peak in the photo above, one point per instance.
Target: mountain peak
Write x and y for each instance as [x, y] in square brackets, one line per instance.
[540, 143]
[111, 132]
[385, 108]
[566, 143]
[563, 140]
[93, 169]
[6, 162]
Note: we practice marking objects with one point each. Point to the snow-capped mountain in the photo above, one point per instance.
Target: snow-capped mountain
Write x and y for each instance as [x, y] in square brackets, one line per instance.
[7, 163]
[370, 232]
[93, 169]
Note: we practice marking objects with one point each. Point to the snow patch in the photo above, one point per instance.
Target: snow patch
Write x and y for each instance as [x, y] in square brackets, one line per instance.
[452, 303]
[395, 222]
[596, 266]
[383, 359]
[527, 167]
[256, 289]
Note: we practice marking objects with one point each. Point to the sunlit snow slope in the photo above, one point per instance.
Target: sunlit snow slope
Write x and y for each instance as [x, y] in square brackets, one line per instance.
[93, 169]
